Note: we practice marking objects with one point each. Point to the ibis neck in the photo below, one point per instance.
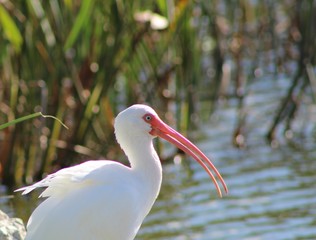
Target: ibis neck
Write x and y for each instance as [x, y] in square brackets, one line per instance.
[145, 163]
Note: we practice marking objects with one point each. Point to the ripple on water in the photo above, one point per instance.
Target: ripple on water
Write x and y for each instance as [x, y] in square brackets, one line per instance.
[272, 192]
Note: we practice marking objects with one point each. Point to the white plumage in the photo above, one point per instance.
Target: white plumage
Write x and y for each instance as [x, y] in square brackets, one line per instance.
[105, 199]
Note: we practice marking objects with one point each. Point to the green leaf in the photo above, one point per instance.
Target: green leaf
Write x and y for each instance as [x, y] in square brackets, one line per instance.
[10, 29]
[163, 7]
[81, 20]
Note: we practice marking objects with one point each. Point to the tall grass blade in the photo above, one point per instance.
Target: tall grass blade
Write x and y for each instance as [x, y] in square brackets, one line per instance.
[10, 29]
[81, 20]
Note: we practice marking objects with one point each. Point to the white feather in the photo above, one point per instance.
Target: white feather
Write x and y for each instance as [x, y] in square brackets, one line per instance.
[101, 199]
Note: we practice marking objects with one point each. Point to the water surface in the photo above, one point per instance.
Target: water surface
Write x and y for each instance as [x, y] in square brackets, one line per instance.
[272, 191]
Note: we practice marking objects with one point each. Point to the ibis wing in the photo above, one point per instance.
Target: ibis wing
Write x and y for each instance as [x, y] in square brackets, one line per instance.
[66, 179]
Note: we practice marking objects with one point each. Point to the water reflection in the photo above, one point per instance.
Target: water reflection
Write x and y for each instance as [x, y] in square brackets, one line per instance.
[272, 192]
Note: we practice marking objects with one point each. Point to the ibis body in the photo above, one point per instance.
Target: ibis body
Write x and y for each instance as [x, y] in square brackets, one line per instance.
[105, 199]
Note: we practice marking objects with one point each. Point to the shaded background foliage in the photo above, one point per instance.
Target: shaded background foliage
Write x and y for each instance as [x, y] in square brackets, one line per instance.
[83, 61]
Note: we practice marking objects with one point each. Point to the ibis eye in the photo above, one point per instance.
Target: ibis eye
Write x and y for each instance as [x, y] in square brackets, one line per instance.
[148, 118]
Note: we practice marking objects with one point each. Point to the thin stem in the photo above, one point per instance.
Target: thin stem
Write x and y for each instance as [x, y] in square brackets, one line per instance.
[33, 115]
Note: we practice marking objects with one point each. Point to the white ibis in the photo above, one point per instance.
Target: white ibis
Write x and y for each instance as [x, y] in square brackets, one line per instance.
[105, 199]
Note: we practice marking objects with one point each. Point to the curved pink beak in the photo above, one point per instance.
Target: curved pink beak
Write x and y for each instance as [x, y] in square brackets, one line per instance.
[160, 129]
